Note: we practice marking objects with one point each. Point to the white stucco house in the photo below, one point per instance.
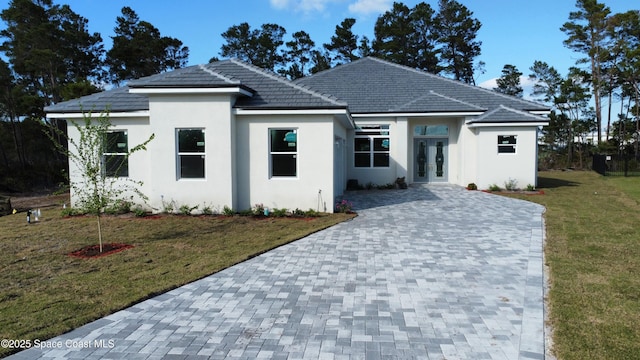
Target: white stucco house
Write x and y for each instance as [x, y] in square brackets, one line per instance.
[231, 134]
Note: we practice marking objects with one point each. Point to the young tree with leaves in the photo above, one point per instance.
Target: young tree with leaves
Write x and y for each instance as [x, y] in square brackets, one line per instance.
[509, 82]
[456, 31]
[96, 189]
[139, 50]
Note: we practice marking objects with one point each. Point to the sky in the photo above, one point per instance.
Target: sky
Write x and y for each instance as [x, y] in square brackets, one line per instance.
[515, 32]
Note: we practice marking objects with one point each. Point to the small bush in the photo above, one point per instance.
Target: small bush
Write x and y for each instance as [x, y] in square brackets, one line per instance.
[187, 210]
[511, 184]
[298, 213]
[258, 210]
[279, 212]
[227, 211]
[344, 206]
[531, 187]
[207, 210]
[494, 187]
[312, 213]
[472, 186]
[139, 211]
[120, 206]
[69, 211]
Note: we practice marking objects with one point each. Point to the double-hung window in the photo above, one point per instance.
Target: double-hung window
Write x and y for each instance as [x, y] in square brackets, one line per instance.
[507, 144]
[283, 152]
[371, 146]
[114, 158]
[191, 153]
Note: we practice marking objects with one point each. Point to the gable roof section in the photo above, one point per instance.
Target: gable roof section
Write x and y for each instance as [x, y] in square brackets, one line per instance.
[503, 114]
[268, 91]
[118, 99]
[371, 85]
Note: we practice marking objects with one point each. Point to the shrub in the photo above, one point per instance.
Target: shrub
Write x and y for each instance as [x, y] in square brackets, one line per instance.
[279, 212]
[312, 213]
[531, 187]
[494, 187]
[139, 211]
[298, 213]
[119, 206]
[227, 211]
[344, 206]
[258, 210]
[472, 186]
[511, 184]
[187, 210]
[207, 210]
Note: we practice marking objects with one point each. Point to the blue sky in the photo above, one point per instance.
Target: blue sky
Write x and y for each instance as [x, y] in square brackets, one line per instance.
[516, 32]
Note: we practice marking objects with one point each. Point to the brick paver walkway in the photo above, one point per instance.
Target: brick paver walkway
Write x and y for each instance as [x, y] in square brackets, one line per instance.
[432, 272]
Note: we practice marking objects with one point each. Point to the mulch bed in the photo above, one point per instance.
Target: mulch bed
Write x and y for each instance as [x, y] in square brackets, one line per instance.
[93, 251]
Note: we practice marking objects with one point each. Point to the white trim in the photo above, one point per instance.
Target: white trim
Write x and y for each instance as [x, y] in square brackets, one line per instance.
[434, 114]
[508, 124]
[291, 112]
[80, 115]
[541, 112]
[223, 90]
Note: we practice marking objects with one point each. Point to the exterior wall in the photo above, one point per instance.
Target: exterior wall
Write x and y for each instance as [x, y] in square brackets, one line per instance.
[498, 168]
[212, 113]
[139, 163]
[312, 188]
[378, 175]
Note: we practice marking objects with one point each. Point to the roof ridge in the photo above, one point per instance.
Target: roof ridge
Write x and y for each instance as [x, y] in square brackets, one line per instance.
[226, 79]
[428, 74]
[509, 109]
[329, 98]
[457, 100]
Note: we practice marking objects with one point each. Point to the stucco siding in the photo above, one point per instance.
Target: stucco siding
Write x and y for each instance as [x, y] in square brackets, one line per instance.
[497, 168]
[311, 188]
[211, 114]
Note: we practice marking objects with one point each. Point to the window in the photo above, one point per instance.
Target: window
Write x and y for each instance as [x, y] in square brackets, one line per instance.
[191, 153]
[283, 145]
[371, 146]
[431, 130]
[114, 158]
[507, 144]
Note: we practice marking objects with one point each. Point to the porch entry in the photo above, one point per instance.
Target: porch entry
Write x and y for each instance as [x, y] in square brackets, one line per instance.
[430, 160]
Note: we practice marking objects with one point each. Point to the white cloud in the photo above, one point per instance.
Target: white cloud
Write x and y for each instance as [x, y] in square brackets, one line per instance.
[367, 7]
[305, 6]
[525, 83]
[279, 4]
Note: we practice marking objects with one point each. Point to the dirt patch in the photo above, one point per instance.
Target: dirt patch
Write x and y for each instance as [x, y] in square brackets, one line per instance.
[93, 251]
[23, 202]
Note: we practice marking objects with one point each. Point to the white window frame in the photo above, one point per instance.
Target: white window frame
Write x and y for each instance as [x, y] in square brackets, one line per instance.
[125, 154]
[294, 130]
[507, 142]
[179, 155]
[372, 132]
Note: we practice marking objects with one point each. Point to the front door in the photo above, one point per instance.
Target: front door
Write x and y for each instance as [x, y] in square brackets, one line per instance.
[430, 160]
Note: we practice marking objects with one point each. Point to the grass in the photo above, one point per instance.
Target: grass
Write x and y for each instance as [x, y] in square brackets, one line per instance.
[593, 252]
[44, 292]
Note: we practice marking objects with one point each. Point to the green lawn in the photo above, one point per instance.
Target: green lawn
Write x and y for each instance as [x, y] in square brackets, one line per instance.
[44, 292]
[593, 251]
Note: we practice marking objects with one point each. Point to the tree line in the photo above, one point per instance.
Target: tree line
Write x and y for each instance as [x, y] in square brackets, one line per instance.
[608, 69]
[53, 57]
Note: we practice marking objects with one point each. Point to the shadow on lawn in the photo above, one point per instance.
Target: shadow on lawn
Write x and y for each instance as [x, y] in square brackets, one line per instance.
[552, 183]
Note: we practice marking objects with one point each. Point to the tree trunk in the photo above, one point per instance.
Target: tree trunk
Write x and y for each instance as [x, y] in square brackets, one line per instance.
[99, 232]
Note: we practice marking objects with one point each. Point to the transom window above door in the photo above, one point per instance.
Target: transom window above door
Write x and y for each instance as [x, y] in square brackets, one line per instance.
[431, 130]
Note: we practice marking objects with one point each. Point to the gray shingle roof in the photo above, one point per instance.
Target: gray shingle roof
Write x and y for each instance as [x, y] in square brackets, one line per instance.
[371, 85]
[367, 85]
[503, 114]
[269, 90]
[118, 100]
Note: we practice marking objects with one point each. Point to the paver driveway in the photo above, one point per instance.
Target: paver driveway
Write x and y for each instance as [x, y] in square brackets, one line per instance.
[433, 272]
